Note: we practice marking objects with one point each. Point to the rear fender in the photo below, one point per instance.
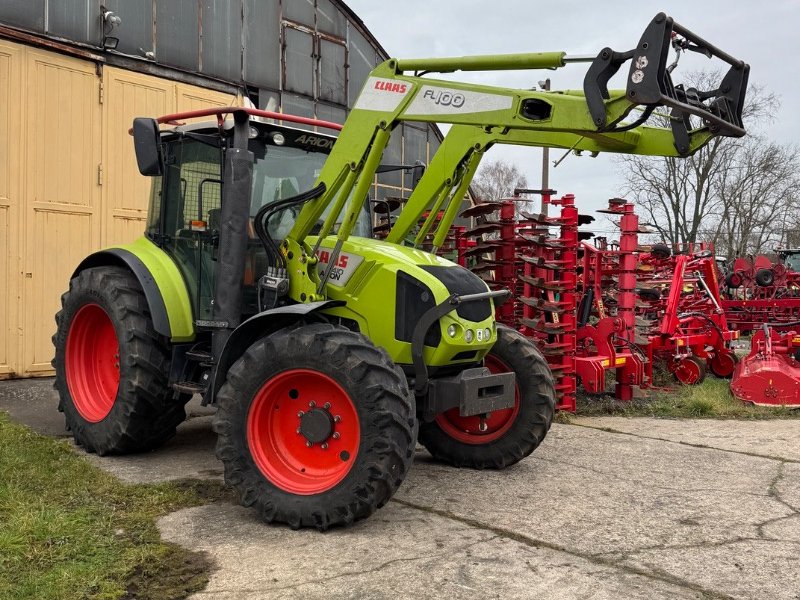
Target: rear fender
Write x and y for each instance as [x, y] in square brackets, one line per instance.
[255, 328]
[161, 282]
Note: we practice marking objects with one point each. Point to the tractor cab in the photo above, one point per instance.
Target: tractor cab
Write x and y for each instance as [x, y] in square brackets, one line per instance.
[185, 202]
[790, 257]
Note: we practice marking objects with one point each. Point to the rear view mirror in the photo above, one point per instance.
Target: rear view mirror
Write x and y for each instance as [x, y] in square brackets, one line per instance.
[417, 171]
[147, 142]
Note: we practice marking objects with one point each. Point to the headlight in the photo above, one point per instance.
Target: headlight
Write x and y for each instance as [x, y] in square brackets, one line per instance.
[452, 331]
[487, 334]
[468, 335]
[278, 139]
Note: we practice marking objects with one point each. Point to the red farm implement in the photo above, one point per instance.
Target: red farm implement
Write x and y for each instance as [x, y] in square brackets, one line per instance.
[594, 307]
[536, 256]
[770, 374]
[759, 291]
[682, 322]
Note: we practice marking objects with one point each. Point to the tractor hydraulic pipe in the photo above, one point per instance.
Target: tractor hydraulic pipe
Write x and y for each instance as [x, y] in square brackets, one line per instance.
[365, 179]
[456, 198]
[497, 62]
[343, 195]
[444, 191]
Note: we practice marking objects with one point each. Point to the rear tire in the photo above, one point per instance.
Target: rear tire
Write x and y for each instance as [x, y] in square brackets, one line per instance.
[511, 434]
[112, 368]
[331, 372]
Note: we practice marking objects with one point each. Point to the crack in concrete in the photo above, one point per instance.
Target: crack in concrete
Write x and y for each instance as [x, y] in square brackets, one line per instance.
[684, 443]
[772, 492]
[592, 558]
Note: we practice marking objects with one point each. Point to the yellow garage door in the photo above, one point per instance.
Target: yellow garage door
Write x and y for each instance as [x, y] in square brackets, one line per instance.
[10, 59]
[129, 95]
[68, 181]
[62, 129]
[125, 191]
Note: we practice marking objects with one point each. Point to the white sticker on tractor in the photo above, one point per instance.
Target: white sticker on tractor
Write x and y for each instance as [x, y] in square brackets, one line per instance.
[346, 265]
[434, 100]
[382, 94]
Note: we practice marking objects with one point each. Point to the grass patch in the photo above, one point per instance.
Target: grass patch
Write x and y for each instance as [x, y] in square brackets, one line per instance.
[712, 399]
[68, 530]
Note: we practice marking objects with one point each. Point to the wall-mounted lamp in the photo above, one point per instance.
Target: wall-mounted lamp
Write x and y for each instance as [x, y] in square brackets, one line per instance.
[110, 21]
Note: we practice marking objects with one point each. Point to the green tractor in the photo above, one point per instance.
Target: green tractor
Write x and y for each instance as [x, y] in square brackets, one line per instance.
[328, 353]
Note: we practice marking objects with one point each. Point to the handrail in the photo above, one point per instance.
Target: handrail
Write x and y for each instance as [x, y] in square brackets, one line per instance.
[177, 118]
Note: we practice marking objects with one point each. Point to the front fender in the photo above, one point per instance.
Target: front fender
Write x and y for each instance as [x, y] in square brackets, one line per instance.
[257, 327]
[161, 281]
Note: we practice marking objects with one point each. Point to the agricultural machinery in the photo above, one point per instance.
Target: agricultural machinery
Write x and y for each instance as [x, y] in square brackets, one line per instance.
[759, 291]
[592, 306]
[770, 374]
[328, 353]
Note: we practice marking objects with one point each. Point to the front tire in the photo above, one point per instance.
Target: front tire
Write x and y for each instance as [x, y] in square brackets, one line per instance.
[510, 434]
[112, 368]
[316, 427]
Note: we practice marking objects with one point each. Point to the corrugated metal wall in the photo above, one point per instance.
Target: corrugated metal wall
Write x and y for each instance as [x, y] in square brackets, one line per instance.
[68, 181]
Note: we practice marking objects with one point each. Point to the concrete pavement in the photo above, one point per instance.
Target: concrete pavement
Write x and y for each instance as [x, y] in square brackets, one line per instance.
[606, 508]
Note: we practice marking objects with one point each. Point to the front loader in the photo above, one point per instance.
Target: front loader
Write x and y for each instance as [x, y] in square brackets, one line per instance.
[329, 353]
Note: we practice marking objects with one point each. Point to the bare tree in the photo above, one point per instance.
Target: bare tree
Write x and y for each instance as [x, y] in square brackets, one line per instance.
[742, 194]
[497, 179]
[759, 191]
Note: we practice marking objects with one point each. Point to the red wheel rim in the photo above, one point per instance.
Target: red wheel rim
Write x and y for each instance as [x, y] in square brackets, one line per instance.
[688, 371]
[92, 362]
[278, 446]
[467, 429]
[723, 364]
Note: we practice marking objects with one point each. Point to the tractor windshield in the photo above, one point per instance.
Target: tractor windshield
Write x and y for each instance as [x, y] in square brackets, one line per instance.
[284, 171]
[792, 261]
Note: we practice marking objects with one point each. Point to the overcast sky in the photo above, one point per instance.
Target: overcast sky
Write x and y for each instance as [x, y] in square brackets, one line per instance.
[763, 34]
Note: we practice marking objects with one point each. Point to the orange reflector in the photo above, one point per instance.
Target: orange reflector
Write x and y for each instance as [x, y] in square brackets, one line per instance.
[198, 225]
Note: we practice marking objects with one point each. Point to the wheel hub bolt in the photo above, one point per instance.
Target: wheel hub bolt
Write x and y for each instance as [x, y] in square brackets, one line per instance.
[324, 445]
[327, 405]
[309, 444]
[300, 414]
[336, 435]
[337, 418]
[312, 404]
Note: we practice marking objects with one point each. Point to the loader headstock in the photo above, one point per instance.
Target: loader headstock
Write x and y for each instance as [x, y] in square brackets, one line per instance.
[650, 83]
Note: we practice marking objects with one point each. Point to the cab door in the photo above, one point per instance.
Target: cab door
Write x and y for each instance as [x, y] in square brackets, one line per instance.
[192, 194]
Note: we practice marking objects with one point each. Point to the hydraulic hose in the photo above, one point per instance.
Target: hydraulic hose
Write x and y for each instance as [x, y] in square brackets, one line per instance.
[262, 217]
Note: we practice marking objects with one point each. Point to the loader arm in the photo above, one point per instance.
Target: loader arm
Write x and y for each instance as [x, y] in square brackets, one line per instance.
[481, 116]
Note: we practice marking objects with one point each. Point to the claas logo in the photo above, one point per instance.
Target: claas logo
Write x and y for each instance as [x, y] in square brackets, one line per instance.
[391, 86]
[325, 257]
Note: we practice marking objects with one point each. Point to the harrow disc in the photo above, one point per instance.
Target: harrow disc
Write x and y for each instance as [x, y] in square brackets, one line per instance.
[689, 370]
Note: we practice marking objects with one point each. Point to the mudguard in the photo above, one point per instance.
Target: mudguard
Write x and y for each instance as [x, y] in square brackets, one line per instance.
[161, 282]
[254, 328]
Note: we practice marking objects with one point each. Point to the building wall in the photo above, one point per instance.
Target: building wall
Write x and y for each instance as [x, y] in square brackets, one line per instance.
[68, 181]
[304, 57]
[68, 178]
